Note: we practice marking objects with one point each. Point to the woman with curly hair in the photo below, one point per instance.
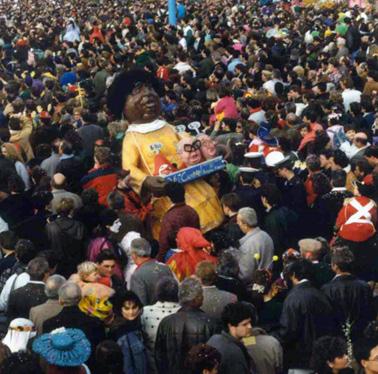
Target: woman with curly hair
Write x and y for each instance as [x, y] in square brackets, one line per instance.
[329, 355]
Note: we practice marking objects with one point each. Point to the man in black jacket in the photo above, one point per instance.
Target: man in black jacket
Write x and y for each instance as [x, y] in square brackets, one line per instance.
[32, 294]
[306, 316]
[179, 332]
[235, 359]
[351, 298]
[72, 317]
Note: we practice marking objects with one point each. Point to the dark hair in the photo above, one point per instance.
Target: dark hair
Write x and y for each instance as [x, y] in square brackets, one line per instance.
[16, 184]
[363, 166]
[127, 296]
[176, 192]
[326, 349]
[321, 184]
[202, 357]
[21, 362]
[228, 265]
[231, 123]
[109, 358]
[232, 201]
[52, 257]
[340, 158]
[37, 268]
[235, 313]
[313, 163]
[66, 147]
[167, 289]
[372, 151]
[272, 193]
[343, 258]
[115, 201]
[302, 269]
[106, 254]
[41, 199]
[8, 240]
[25, 251]
[89, 196]
[338, 178]
[362, 348]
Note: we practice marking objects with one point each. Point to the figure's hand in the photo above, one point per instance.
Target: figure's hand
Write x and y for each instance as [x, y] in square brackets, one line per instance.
[155, 185]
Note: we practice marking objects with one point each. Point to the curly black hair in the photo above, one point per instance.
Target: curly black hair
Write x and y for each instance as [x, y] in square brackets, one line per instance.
[201, 357]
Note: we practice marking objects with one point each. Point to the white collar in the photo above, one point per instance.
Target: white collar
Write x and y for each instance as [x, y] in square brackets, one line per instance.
[144, 128]
[337, 189]
[302, 281]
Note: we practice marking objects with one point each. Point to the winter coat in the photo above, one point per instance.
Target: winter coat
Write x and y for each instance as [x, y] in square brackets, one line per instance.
[177, 334]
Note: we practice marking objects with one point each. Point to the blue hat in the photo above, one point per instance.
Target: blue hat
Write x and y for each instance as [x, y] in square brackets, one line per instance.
[263, 133]
[63, 347]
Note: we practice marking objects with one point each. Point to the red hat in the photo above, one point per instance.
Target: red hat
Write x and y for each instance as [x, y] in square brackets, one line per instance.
[163, 166]
[44, 115]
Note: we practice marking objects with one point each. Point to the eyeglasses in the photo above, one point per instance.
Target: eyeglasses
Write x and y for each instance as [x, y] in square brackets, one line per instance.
[195, 146]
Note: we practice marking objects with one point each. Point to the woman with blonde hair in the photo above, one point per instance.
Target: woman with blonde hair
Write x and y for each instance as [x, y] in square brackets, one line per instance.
[10, 151]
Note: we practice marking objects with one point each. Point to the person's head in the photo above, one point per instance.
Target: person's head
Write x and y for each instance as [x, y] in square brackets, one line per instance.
[15, 184]
[205, 272]
[69, 294]
[338, 178]
[231, 203]
[102, 155]
[66, 148]
[321, 184]
[203, 359]
[167, 290]
[9, 150]
[190, 293]
[342, 260]
[298, 270]
[134, 95]
[246, 219]
[38, 269]
[329, 354]
[140, 249]
[58, 181]
[310, 249]
[89, 197]
[236, 318]
[64, 350]
[371, 155]
[20, 331]
[115, 201]
[228, 265]
[270, 195]
[208, 146]
[87, 271]
[189, 150]
[130, 306]
[65, 207]
[109, 357]
[313, 163]
[21, 362]
[366, 354]
[52, 286]
[360, 140]
[339, 160]
[175, 192]
[25, 251]
[361, 168]
[8, 241]
[106, 263]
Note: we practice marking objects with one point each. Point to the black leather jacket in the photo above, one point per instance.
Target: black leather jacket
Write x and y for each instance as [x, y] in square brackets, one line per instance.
[177, 334]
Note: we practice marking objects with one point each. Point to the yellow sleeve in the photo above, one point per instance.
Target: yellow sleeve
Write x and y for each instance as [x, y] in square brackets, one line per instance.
[27, 126]
[131, 160]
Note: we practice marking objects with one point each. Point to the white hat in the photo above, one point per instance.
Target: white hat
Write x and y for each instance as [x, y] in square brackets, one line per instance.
[274, 158]
[247, 169]
[253, 154]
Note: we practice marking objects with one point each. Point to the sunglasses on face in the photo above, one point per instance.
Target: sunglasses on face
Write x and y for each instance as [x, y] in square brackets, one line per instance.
[195, 146]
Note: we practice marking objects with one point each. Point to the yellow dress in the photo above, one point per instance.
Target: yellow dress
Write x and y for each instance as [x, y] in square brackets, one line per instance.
[138, 155]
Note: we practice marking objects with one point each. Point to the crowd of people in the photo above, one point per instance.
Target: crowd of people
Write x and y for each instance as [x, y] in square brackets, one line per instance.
[268, 266]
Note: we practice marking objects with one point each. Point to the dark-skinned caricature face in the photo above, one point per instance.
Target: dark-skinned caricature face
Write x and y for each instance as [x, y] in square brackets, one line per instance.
[142, 105]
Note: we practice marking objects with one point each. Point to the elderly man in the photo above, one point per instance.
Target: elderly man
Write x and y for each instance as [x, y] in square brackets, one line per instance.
[180, 331]
[58, 184]
[189, 150]
[72, 317]
[356, 150]
[256, 246]
[40, 313]
[148, 272]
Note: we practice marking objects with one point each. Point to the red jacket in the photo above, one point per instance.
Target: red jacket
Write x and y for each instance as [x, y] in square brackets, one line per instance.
[357, 219]
[102, 179]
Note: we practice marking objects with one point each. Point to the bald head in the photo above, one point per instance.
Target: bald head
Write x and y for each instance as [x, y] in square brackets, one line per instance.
[69, 294]
[360, 139]
[58, 181]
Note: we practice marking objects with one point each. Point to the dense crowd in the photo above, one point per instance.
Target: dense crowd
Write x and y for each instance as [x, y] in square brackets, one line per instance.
[267, 266]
